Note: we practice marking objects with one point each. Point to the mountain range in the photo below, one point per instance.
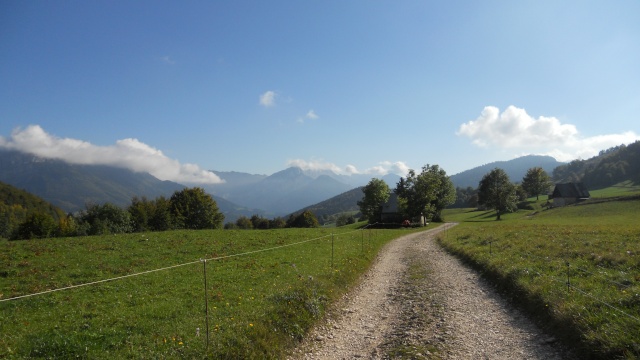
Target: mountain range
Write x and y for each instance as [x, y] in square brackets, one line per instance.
[71, 187]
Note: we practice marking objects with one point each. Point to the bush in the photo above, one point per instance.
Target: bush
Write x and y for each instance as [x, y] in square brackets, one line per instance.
[38, 226]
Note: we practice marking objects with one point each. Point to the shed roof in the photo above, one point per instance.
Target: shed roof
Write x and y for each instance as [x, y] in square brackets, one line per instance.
[571, 190]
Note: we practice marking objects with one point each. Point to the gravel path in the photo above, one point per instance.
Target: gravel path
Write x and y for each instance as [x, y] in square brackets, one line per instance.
[418, 302]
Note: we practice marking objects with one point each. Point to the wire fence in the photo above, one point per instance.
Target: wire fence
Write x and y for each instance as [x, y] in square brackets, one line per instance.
[363, 235]
[70, 287]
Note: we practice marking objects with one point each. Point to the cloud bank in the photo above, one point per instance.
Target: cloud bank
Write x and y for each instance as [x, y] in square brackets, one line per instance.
[517, 130]
[383, 168]
[127, 153]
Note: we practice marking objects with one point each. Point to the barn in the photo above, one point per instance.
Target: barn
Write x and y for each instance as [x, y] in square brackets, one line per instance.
[390, 211]
[569, 193]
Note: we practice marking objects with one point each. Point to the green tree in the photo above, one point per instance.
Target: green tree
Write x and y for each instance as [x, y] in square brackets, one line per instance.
[426, 194]
[305, 219]
[497, 192]
[259, 222]
[193, 208]
[277, 223]
[376, 193]
[536, 182]
[160, 218]
[141, 210]
[106, 219]
[67, 226]
[244, 223]
[37, 226]
[345, 219]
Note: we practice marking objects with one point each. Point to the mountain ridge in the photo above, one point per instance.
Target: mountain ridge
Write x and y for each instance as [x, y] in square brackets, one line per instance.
[71, 187]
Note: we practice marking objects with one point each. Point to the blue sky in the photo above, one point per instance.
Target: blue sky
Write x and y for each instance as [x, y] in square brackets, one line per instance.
[178, 88]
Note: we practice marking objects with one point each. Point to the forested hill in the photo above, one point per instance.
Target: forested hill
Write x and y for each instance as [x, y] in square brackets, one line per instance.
[16, 205]
[343, 203]
[516, 169]
[610, 167]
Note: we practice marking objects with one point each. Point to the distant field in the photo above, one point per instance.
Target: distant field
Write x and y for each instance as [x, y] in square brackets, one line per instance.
[575, 269]
[258, 301]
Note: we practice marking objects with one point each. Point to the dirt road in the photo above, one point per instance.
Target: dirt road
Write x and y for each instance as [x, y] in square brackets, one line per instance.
[418, 302]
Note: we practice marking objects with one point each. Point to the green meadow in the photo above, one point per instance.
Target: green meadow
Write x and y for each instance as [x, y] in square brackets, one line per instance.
[147, 297]
[575, 270]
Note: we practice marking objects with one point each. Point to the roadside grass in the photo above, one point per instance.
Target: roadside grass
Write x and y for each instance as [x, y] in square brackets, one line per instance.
[265, 289]
[575, 270]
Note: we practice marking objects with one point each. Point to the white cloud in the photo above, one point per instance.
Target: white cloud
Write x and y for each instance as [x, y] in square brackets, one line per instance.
[312, 115]
[127, 153]
[383, 168]
[515, 129]
[268, 99]
[315, 165]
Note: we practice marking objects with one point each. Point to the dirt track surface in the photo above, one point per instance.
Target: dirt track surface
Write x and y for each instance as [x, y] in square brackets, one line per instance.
[419, 302]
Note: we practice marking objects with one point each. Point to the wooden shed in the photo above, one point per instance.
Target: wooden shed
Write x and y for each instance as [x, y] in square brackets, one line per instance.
[390, 212]
[569, 193]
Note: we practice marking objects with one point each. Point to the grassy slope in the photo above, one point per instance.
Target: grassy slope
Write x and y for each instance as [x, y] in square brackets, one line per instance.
[526, 255]
[259, 303]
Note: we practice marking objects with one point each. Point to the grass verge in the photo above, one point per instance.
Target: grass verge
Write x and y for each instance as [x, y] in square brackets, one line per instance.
[575, 270]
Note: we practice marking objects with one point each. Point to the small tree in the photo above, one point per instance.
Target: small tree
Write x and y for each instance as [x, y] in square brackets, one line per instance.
[345, 219]
[497, 192]
[536, 182]
[244, 223]
[306, 219]
[376, 193]
[195, 209]
[38, 226]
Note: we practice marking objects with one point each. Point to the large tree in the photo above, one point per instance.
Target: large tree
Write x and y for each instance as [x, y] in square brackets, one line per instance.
[193, 208]
[376, 194]
[497, 192]
[427, 193]
[536, 182]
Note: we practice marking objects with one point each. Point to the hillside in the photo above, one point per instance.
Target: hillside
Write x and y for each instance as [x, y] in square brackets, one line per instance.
[17, 204]
[611, 166]
[516, 169]
[70, 187]
[345, 202]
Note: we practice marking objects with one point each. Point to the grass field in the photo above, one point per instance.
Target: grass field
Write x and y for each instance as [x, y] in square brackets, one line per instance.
[576, 269]
[264, 290]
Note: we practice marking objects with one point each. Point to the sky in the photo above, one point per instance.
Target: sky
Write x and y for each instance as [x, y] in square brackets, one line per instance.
[178, 88]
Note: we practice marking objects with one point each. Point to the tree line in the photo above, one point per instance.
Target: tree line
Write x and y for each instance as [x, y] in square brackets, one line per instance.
[422, 195]
[189, 209]
[428, 193]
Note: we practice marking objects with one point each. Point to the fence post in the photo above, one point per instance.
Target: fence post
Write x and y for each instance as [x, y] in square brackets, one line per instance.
[331, 251]
[206, 301]
[568, 279]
